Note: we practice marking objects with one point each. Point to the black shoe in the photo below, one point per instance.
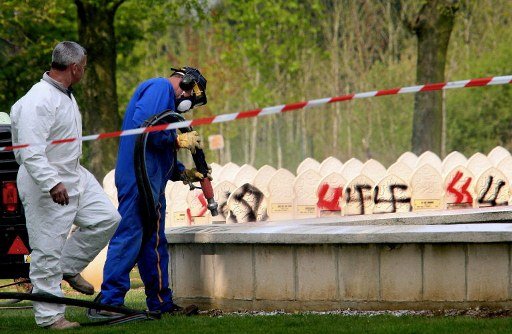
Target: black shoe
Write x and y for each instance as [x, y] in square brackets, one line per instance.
[95, 314]
[188, 310]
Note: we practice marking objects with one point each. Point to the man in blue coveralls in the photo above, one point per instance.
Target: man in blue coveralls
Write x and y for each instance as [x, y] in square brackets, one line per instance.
[127, 247]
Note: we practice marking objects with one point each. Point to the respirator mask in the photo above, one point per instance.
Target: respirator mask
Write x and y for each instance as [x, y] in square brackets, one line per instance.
[192, 80]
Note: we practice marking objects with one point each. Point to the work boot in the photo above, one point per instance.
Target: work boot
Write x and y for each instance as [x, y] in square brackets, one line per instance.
[95, 314]
[62, 323]
[187, 310]
[78, 283]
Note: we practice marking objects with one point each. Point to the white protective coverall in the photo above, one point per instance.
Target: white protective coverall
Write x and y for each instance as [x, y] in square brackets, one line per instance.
[48, 112]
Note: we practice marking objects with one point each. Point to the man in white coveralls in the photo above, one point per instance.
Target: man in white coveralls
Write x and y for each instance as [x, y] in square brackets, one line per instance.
[56, 191]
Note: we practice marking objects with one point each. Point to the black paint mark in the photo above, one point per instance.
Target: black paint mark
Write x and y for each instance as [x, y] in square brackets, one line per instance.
[359, 190]
[492, 200]
[247, 211]
[393, 199]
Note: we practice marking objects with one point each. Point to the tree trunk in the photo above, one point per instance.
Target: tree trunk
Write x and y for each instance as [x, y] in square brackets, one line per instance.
[99, 106]
[433, 27]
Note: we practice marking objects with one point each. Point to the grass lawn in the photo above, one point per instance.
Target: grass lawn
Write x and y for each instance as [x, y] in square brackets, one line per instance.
[22, 321]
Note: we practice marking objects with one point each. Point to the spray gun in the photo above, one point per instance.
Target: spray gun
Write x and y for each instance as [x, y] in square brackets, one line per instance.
[148, 206]
[206, 185]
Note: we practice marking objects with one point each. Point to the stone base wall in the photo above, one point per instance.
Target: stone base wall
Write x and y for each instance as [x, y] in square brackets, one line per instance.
[369, 276]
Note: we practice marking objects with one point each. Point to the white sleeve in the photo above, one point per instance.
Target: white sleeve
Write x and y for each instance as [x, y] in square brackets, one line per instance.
[32, 121]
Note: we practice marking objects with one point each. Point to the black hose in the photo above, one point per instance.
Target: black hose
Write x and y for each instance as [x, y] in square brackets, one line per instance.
[148, 207]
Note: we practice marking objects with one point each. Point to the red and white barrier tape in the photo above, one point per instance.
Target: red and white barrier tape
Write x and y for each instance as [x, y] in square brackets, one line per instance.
[501, 80]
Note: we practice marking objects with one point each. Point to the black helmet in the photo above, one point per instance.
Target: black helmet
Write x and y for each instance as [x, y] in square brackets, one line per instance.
[192, 80]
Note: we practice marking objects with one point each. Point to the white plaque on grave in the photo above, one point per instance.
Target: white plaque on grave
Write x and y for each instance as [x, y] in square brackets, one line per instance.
[374, 170]
[351, 169]
[109, 186]
[246, 204]
[408, 158]
[330, 165]
[358, 196]
[391, 194]
[228, 172]
[281, 195]
[262, 178]
[459, 186]
[245, 174]
[308, 163]
[492, 188]
[176, 199]
[221, 193]
[497, 154]
[430, 158]
[330, 195]
[198, 208]
[305, 187]
[400, 169]
[478, 163]
[427, 189]
[453, 160]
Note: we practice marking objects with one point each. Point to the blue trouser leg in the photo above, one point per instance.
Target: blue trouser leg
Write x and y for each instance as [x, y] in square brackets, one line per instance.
[122, 254]
[153, 264]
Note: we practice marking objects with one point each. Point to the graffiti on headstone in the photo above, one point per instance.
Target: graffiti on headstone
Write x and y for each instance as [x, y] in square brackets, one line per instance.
[246, 204]
[358, 200]
[458, 186]
[392, 194]
[490, 194]
[197, 207]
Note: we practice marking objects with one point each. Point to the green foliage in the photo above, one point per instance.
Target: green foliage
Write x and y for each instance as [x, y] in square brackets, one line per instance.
[29, 30]
[478, 119]
[258, 53]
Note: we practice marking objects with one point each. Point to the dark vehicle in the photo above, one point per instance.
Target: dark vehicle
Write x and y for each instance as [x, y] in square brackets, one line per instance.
[14, 247]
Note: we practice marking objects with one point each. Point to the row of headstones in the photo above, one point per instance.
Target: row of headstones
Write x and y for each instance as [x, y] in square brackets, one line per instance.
[412, 183]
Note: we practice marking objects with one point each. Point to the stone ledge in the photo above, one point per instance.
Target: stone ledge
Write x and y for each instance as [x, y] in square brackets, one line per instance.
[469, 225]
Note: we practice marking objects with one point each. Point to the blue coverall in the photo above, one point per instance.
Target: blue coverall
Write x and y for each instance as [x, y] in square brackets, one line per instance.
[126, 248]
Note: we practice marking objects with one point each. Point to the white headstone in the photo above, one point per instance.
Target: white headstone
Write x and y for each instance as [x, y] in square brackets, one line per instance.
[392, 194]
[492, 188]
[305, 186]
[330, 165]
[281, 195]
[168, 207]
[374, 170]
[505, 166]
[245, 174]
[427, 189]
[109, 185]
[228, 172]
[176, 197]
[430, 158]
[221, 193]
[408, 158]
[459, 186]
[358, 196]
[247, 204]
[400, 169]
[453, 160]
[262, 178]
[198, 212]
[478, 163]
[497, 154]
[330, 195]
[308, 163]
[351, 169]
[216, 169]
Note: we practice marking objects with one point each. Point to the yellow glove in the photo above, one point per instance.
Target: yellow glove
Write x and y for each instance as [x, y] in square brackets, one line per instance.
[189, 140]
[192, 175]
